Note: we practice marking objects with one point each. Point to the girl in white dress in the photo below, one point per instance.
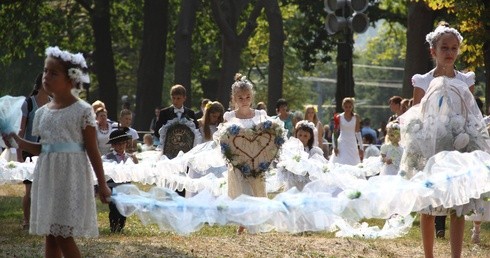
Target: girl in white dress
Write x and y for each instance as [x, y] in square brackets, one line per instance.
[208, 125]
[348, 147]
[391, 151]
[244, 116]
[63, 204]
[304, 131]
[445, 101]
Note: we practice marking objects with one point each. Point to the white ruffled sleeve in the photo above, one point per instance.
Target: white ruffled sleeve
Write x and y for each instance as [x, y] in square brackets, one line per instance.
[227, 116]
[468, 78]
[421, 81]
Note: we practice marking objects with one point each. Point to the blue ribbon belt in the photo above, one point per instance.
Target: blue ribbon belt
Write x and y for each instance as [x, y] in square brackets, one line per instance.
[63, 147]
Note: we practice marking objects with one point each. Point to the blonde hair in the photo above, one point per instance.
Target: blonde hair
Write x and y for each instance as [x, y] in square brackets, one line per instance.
[241, 84]
[350, 100]
[315, 117]
[392, 127]
[147, 136]
[98, 104]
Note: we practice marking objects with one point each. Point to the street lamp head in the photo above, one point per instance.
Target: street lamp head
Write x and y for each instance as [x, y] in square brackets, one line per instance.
[359, 5]
[332, 5]
[359, 22]
[334, 23]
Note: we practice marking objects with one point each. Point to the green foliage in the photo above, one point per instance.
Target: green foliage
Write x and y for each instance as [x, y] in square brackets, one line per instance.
[470, 21]
[388, 47]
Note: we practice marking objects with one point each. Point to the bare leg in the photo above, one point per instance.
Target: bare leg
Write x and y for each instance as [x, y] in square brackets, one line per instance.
[475, 236]
[26, 206]
[68, 247]
[51, 247]
[427, 229]
[457, 234]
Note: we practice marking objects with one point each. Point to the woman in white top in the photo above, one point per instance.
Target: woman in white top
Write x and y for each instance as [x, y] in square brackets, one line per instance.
[104, 129]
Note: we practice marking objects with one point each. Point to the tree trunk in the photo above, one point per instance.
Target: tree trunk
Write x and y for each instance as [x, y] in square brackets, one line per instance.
[231, 51]
[226, 14]
[104, 57]
[276, 53]
[183, 46]
[418, 59]
[152, 63]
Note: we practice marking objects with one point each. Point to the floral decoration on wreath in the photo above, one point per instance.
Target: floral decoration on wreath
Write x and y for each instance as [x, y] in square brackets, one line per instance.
[252, 150]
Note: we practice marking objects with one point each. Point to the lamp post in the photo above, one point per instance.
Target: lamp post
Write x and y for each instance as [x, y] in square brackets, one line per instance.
[347, 16]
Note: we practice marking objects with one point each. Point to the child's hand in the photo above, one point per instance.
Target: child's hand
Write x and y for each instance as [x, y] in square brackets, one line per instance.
[10, 140]
[336, 151]
[104, 193]
[387, 160]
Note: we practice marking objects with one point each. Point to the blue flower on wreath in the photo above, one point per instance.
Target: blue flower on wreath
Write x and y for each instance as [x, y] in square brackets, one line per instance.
[429, 184]
[279, 141]
[267, 124]
[246, 171]
[224, 148]
[234, 129]
[263, 166]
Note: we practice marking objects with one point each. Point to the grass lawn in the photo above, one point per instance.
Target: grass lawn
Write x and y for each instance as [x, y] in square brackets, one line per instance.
[217, 241]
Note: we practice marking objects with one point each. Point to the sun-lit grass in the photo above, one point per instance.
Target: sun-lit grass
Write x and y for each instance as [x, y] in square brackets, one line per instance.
[139, 240]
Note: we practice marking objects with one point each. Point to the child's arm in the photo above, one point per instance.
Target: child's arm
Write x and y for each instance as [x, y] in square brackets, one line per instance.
[33, 148]
[90, 140]
[22, 133]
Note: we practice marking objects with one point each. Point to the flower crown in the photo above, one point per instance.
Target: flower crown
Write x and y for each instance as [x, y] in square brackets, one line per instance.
[77, 73]
[305, 123]
[75, 59]
[432, 37]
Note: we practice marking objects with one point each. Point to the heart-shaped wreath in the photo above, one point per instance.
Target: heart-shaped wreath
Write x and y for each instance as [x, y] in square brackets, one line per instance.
[252, 150]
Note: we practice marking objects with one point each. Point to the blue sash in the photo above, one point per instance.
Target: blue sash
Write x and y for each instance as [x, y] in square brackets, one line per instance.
[63, 147]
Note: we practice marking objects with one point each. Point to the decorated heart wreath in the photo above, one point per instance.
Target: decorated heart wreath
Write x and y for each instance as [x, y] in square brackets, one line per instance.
[252, 150]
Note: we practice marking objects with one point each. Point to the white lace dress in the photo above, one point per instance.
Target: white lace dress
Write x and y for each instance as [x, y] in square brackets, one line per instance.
[237, 184]
[63, 201]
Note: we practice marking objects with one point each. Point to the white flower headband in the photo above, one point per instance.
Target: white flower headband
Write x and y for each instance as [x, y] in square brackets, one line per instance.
[305, 123]
[76, 59]
[432, 37]
[76, 74]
